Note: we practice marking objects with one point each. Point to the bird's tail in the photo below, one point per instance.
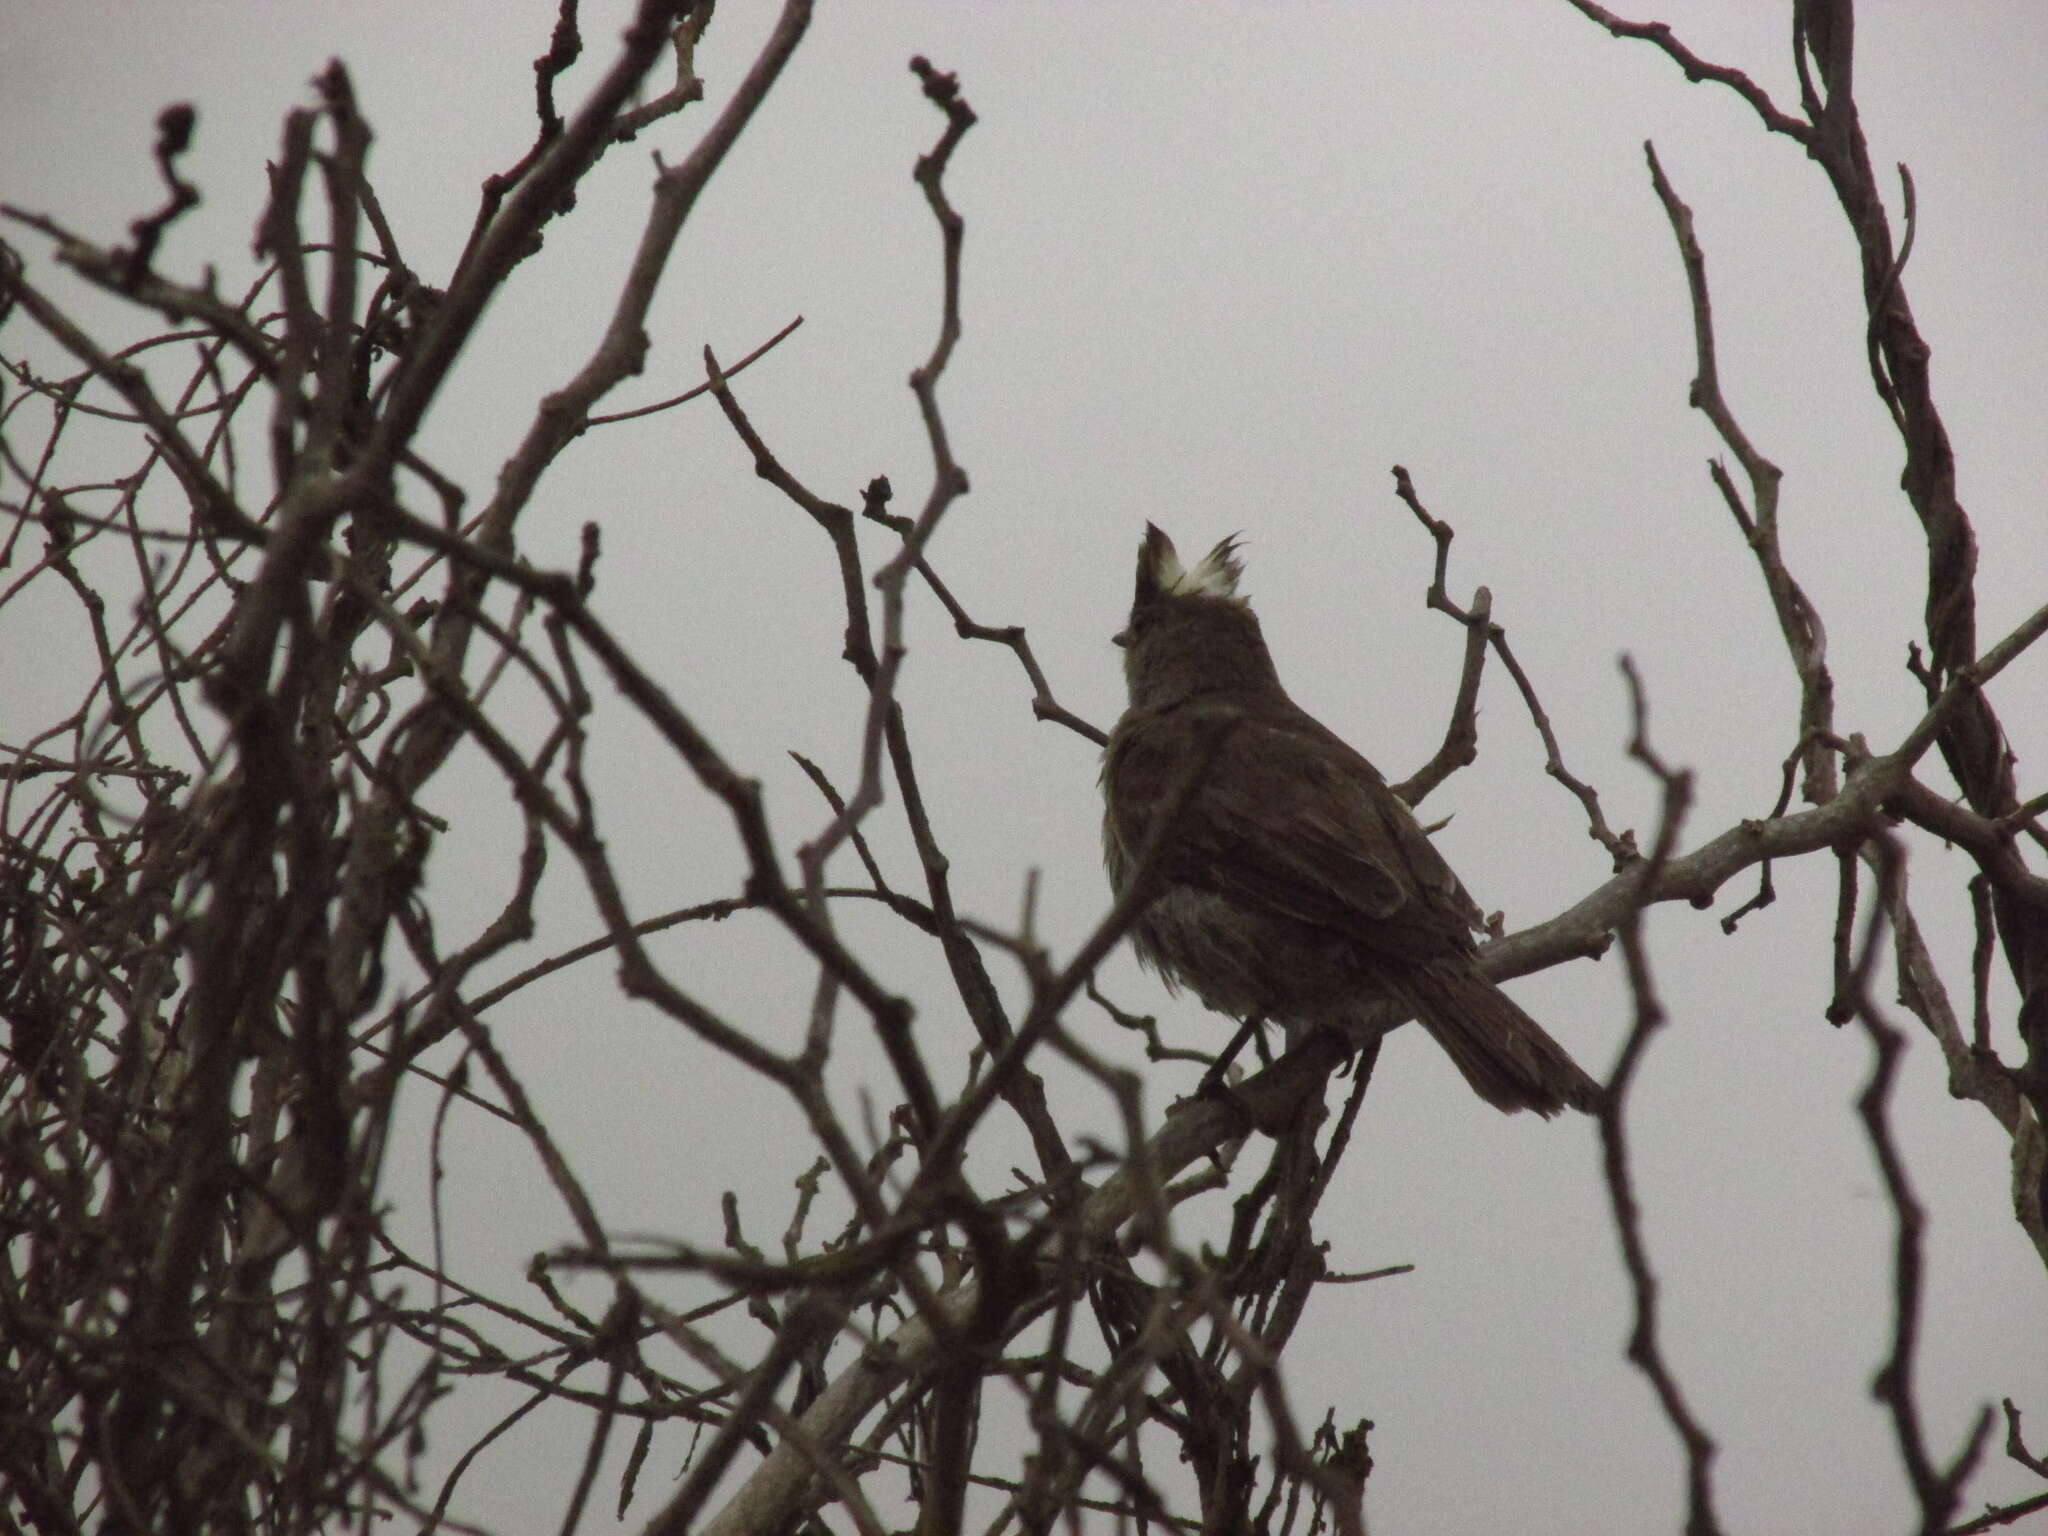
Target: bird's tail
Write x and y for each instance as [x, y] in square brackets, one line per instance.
[1505, 1055]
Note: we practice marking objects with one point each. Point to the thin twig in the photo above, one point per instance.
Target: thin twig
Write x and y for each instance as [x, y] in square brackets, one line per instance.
[1621, 847]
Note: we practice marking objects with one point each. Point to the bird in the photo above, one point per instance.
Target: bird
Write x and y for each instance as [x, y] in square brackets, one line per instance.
[1284, 879]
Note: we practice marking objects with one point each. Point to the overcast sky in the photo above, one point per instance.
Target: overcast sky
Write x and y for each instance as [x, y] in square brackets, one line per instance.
[1226, 264]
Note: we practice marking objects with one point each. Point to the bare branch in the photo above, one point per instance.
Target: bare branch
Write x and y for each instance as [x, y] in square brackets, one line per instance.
[1645, 1348]
[1620, 847]
[1937, 1489]
[1698, 70]
[1798, 620]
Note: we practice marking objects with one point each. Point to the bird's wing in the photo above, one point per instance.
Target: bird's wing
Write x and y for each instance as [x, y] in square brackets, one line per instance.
[1292, 821]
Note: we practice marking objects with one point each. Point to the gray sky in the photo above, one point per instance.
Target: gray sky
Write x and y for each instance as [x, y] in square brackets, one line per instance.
[1225, 265]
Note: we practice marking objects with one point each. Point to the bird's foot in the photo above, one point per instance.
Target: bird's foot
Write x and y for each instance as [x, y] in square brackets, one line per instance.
[1213, 1080]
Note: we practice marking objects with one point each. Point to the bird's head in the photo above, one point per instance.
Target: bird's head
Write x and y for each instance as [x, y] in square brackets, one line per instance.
[1190, 632]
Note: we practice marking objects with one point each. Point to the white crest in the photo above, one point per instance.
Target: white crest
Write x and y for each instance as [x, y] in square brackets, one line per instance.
[1214, 575]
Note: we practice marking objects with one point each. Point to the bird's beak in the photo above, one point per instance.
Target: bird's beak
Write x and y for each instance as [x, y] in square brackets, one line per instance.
[1121, 639]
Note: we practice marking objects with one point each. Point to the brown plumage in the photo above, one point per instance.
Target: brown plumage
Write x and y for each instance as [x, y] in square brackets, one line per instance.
[1293, 884]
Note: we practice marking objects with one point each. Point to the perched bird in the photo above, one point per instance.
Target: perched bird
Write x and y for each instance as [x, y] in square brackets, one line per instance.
[1292, 883]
